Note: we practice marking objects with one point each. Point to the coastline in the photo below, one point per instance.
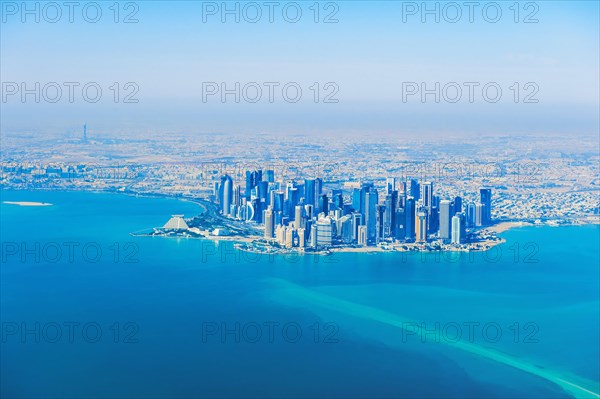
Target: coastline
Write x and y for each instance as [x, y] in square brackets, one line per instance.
[478, 246]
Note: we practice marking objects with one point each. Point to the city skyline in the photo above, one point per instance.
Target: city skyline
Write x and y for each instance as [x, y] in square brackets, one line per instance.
[305, 215]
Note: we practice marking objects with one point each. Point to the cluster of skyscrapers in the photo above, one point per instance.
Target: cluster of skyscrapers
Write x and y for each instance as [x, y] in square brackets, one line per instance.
[303, 215]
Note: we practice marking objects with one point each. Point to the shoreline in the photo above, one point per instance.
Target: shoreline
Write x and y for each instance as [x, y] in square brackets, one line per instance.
[479, 246]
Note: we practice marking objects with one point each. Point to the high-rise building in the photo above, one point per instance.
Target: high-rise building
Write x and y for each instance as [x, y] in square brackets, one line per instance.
[486, 201]
[301, 238]
[337, 199]
[269, 223]
[362, 235]
[252, 179]
[445, 219]
[269, 176]
[318, 190]
[279, 201]
[356, 223]
[456, 206]
[257, 210]
[389, 215]
[401, 188]
[410, 213]
[459, 231]
[371, 200]
[400, 224]
[479, 214]
[263, 192]
[427, 194]
[309, 192]
[380, 234]
[280, 235]
[313, 236]
[323, 204]
[361, 200]
[415, 189]
[390, 185]
[226, 194]
[237, 195]
[433, 219]
[289, 237]
[421, 226]
[324, 232]
[309, 210]
[345, 229]
[471, 212]
[299, 217]
[356, 199]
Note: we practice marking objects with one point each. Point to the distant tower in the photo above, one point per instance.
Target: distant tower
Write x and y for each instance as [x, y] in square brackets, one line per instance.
[85, 132]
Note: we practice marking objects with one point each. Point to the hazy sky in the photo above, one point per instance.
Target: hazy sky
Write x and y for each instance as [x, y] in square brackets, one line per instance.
[372, 57]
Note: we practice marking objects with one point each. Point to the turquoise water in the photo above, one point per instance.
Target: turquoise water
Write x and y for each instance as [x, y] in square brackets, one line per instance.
[367, 322]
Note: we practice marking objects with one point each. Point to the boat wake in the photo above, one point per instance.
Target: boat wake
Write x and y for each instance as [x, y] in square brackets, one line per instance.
[574, 385]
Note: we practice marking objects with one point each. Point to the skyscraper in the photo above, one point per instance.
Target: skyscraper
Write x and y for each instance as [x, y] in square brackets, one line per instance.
[309, 209]
[269, 223]
[269, 176]
[459, 232]
[421, 226]
[356, 223]
[445, 219]
[371, 199]
[410, 218]
[471, 211]
[390, 185]
[380, 234]
[433, 219]
[324, 204]
[263, 192]
[225, 194]
[309, 192]
[389, 215]
[313, 236]
[345, 229]
[362, 204]
[479, 214]
[486, 201]
[427, 194]
[237, 196]
[249, 183]
[456, 206]
[279, 201]
[318, 190]
[337, 199]
[415, 190]
[356, 199]
[324, 232]
[299, 217]
[400, 224]
[362, 235]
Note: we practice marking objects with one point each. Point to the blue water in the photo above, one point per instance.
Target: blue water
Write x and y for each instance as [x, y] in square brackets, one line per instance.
[170, 291]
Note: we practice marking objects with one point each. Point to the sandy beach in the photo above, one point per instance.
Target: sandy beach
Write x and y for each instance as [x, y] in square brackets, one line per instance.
[27, 203]
[505, 226]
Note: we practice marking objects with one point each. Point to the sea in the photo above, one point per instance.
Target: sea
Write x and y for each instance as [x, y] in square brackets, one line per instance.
[89, 311]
